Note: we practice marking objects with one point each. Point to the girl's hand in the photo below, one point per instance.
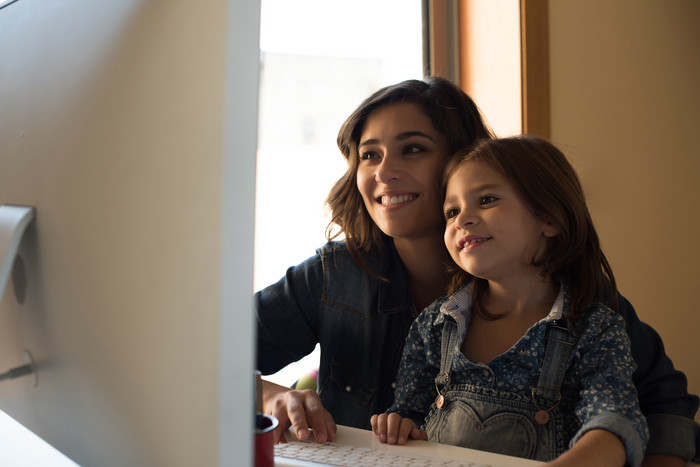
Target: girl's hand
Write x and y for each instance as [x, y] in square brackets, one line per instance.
[392, 429]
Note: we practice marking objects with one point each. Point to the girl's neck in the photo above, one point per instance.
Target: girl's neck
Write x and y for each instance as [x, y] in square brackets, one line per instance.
[528, 299]
[424, 260]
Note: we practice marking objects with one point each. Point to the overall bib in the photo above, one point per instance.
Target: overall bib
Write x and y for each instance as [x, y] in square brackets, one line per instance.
[516, 424]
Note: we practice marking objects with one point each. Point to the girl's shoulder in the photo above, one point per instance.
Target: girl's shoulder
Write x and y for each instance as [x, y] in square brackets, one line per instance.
[599, 319]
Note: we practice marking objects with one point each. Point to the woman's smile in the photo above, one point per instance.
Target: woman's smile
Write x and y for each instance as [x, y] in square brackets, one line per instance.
[401, 156]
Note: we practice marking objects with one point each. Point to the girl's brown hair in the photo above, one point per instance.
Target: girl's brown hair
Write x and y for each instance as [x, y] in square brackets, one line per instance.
[548, 185]
[452, 113]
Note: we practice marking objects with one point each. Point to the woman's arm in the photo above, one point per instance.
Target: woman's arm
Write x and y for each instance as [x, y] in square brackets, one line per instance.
[287, 317]
[662, 390]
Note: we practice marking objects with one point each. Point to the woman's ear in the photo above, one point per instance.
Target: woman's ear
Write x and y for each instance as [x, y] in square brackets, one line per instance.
[549, 230]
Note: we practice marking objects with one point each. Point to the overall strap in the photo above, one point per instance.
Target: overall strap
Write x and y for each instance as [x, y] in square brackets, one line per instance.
[450, 336]
[559, 341]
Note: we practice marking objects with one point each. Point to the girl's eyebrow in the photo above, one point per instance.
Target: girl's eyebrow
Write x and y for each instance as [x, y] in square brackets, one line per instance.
[476, 189]
[399, 137]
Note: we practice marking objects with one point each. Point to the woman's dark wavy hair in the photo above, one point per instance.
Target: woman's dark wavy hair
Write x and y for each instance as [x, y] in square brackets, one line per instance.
[548, 185]
[452, 113]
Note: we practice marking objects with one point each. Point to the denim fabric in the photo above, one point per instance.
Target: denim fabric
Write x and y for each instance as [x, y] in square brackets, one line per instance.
[360, 321]
[597, 391]
[373, 317]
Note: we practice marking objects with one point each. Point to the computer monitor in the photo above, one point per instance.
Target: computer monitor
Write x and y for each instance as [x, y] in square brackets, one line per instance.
[130, 127]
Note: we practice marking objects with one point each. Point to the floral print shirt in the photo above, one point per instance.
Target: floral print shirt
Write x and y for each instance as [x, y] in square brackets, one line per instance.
[597, 391]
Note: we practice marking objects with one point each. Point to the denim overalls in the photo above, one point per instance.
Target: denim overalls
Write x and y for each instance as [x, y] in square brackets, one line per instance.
[522, 425]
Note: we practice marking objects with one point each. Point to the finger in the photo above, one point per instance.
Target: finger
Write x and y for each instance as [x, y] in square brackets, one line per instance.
[331, 429]
[405, 429]
[381, 427]
[417, 433]
[297, 414]
[316, 416]
[392, 427]
[373, 422]
[280, 413]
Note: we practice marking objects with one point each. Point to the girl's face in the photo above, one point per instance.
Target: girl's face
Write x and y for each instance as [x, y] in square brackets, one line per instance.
[490, 232]
[401, 156]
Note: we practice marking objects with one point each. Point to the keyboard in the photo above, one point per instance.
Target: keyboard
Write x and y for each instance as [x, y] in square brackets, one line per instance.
[332, 454]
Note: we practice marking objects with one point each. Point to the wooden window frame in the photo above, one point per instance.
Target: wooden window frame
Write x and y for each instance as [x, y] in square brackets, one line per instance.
[442, 57]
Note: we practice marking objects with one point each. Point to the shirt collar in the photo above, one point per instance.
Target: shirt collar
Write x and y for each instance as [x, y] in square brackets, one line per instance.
[459, 306]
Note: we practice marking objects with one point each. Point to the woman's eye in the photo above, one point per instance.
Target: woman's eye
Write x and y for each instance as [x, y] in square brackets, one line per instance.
[413, 148]
[368, 155]
[487, 200]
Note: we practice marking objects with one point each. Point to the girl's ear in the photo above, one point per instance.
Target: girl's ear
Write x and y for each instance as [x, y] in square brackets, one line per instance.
[549, 230]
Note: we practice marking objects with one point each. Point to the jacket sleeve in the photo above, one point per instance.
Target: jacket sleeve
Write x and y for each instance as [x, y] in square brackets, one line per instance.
[663, 391]
[287, 316]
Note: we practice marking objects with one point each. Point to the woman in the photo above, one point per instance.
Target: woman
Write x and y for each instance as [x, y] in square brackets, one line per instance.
[358, 298]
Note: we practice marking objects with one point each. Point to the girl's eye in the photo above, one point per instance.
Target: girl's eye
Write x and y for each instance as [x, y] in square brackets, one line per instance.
[450, 213]
[484, 200]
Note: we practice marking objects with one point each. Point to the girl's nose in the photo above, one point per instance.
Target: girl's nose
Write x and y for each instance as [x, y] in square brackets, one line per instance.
[465, 219]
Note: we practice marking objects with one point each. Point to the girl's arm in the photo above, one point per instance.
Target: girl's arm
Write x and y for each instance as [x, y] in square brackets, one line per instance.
[415, 381]
[597, 447]
[608, 398]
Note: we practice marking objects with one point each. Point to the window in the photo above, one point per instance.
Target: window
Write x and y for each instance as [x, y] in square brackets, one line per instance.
[320, 59]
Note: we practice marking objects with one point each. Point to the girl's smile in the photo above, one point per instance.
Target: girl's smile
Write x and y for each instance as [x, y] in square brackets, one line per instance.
[490, 232]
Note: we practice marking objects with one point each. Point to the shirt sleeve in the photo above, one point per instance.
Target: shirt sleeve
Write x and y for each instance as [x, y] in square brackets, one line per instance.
[663, 390]
[420, 364]
[287, 316]
[608, 396]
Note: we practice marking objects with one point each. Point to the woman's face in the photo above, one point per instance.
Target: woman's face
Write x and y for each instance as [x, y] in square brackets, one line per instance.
[401, 156]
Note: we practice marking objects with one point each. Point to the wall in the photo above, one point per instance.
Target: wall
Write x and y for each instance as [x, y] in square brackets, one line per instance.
[626, 109]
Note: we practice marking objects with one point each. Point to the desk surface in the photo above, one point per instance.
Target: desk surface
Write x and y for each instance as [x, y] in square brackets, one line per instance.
[22, 448]
[365, 438]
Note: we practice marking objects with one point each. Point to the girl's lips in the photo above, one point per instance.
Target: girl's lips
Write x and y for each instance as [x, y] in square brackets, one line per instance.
[472, 241]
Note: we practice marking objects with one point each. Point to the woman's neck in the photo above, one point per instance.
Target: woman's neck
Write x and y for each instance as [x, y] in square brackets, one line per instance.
[424, 260]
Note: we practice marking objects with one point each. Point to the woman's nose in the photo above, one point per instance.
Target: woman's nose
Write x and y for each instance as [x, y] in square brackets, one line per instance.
[388, 170]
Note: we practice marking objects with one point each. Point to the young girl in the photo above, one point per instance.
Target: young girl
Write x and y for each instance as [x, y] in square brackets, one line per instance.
[522, 358]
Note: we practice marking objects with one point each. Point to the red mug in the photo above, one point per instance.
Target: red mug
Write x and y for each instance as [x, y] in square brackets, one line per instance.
[264, 447]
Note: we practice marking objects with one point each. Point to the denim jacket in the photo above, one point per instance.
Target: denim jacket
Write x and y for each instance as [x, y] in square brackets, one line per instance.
[361, 323]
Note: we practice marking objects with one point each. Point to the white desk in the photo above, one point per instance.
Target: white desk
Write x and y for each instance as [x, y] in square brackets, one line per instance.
[22, 448]
[365, 438]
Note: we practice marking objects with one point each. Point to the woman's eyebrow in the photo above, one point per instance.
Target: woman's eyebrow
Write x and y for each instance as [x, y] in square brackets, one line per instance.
[399, 137]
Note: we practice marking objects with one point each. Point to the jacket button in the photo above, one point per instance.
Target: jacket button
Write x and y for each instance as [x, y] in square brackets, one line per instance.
[348, 388]
[393, 385]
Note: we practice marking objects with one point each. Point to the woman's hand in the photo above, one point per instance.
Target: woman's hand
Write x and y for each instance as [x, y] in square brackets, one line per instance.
[302, 410]
[392, 429]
